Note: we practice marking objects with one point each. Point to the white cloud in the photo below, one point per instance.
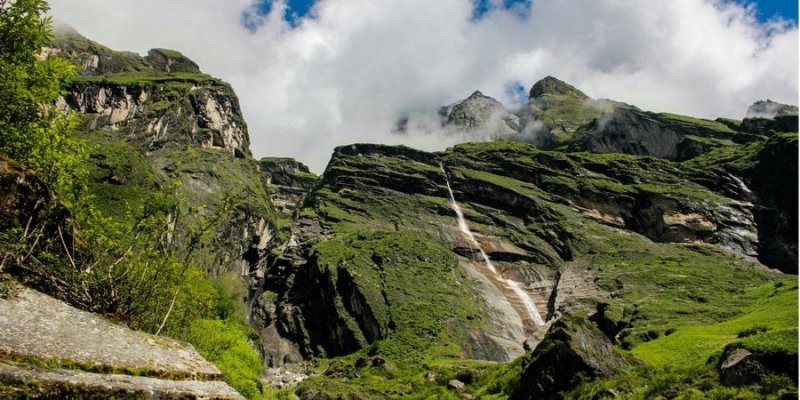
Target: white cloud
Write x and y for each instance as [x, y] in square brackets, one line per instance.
[348, 74]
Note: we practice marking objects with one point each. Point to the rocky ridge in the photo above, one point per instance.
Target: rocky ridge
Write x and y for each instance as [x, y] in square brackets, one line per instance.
[189, 127]
[288, 181]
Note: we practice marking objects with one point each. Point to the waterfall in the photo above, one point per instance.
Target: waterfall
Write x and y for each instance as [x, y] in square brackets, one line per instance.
[462, 224]
[741, 185]
[521, 294]
[526, 299]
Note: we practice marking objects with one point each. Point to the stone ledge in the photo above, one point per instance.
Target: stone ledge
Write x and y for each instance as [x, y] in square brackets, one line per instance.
[38, 329]
[24, 382]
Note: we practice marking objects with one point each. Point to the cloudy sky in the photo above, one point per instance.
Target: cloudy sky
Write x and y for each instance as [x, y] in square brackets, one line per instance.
[314, 74]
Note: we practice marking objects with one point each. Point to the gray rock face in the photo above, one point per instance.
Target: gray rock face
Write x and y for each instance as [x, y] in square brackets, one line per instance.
[34, 326]
[203, 112]
[626, 131]
[769, 109]
[288, 180]
[483, 115]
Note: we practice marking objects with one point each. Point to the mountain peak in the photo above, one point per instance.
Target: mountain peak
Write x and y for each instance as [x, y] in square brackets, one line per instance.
[770, 109]
[552, 85]
[476, 94]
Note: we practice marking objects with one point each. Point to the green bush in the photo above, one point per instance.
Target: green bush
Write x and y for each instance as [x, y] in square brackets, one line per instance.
[224, 343]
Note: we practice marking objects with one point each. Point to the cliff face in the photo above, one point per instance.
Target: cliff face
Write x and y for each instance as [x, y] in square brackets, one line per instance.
[190, 109]
[287, 181]
[189, 128]
[548, 221]
[159, 100]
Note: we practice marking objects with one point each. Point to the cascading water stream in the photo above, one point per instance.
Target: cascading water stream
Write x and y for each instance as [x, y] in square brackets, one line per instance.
[523, 296]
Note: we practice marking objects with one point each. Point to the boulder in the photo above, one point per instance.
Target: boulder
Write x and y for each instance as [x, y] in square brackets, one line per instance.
[741, 368]
[573, 348]
[455, 384]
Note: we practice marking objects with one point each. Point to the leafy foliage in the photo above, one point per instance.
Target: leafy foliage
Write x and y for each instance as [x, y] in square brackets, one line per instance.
[32, 131]
[104, 242]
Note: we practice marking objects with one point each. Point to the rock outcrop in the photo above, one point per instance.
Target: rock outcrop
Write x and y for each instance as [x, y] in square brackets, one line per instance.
[189, 127]
[165, 60]
[50, 349]
[766, 117]
[769, 109]
[741, 368]
[288, 181]
[167, 111]
[573, 349]
[481, 116]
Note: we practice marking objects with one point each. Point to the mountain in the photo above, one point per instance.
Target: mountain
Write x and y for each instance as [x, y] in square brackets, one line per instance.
[480, 114]
[379, 267]
[607, 252]
[188, 127]
[171, 180]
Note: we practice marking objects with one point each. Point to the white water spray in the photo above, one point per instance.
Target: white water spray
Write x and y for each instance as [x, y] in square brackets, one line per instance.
[741, 185]
[523, 296]
[526, 300]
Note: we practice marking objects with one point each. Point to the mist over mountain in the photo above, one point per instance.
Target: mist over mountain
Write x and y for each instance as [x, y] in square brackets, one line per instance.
[349, 69]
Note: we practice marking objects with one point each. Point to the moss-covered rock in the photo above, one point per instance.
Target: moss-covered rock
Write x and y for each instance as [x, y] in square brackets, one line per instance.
[573, 350]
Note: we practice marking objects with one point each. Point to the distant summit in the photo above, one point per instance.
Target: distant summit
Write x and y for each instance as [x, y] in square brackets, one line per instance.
[770, 109]
[555, 86]
[479, 113]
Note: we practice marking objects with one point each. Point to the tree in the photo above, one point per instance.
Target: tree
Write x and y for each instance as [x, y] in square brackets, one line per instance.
[32, 130]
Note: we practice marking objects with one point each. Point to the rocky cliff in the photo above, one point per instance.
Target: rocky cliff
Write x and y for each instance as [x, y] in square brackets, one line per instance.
[381, 264]
[288, 181]
[189, 128]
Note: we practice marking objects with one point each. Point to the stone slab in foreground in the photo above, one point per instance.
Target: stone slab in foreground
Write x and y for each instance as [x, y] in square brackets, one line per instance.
[46, 344]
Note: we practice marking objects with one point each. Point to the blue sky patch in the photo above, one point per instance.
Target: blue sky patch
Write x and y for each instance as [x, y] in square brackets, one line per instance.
[769, 9]
[298, 10]
[517, 92]
[482, 7]
[295, 12]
